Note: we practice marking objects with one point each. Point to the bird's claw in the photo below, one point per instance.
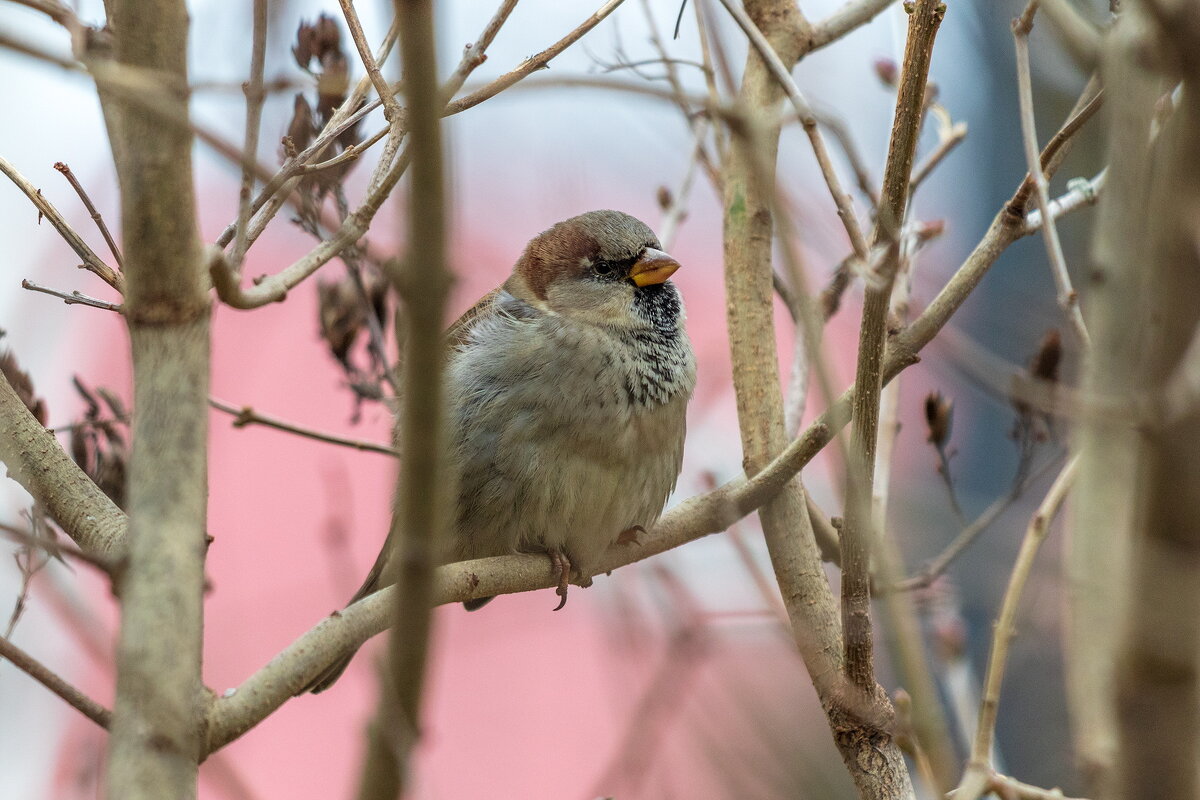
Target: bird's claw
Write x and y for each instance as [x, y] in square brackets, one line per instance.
[562, 565]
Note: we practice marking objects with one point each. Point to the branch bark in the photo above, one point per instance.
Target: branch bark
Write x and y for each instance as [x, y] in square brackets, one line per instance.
[863, 737]
[420, 524]
[157, 731]
[36, 461]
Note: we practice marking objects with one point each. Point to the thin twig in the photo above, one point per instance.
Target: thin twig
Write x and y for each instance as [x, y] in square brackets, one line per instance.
[279, 189]
[74, 298]
[254, 106]
[92, 262]
[56, 549]
[274, 288]
[392, 111]
[245, 415]
[979, 767]
[854, 14]
[533, 63]
[858, 533]
[48, 678]
[952, 139]
[808, 120]
[1080, 192]
[87, 203]
[1055, 150]
[938, 566]
[1068, 299]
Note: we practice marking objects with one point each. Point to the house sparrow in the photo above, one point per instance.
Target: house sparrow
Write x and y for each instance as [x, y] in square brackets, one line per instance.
[566, 393]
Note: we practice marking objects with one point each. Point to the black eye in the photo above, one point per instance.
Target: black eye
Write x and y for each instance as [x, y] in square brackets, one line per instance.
[602, 268]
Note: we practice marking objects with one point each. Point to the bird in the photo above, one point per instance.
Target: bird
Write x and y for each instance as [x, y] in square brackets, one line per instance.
[566, 394]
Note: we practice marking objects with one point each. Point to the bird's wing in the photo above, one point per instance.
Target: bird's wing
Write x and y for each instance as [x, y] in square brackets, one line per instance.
[498, 302]
[458, 333]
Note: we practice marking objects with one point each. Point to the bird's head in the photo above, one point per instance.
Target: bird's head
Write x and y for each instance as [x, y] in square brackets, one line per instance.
[602, 267]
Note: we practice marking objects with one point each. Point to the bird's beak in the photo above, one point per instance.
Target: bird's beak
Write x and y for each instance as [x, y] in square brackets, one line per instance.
[654, 266]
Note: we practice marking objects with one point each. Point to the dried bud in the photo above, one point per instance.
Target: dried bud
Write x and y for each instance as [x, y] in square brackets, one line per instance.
[98, 441]
[316, 40]
[665, 198]
[306, 45]
[939, 418]
[301, 129]
[333, 84]
[1044, 365]
[22, 384]
[886, 70]
[930, 230]
[341, 314]
[328, 37]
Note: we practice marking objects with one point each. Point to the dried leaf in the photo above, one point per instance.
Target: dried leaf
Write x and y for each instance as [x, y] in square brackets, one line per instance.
[22, 384]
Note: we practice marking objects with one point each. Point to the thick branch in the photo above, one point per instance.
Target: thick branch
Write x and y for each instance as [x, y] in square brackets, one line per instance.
[157, 729]
[420, 525]
[36, 461]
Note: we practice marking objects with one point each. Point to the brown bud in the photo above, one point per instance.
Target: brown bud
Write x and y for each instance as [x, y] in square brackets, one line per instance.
[98, 442]
[327, 36]
[333, 83]
[665, 198]
[930, 230]
[939, 418]
[1044, 365]
[341, 315]
[301, 129]
[305, 47]
[886, 70]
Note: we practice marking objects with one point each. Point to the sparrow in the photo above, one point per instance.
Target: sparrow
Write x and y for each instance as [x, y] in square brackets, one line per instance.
[566, 392]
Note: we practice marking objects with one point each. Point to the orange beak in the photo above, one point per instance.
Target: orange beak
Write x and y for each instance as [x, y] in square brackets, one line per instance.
[654, 266]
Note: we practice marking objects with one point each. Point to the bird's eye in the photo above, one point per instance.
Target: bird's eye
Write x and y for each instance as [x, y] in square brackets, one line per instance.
[602, 268]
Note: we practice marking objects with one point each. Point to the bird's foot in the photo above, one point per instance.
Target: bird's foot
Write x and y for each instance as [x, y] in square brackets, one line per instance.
[561, 565]
[630, 535]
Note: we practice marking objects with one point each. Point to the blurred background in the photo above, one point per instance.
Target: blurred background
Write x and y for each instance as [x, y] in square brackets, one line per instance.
[670, 678]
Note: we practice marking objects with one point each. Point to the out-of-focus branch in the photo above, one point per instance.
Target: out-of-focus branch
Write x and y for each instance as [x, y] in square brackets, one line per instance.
[808, 121]
[245, 415]
[854, 14]
[1153, 212]
[420, 525]
[255, 97]
[157, 731]
[979, 767]
[51, 680]
[533, 63]
[1068, 299]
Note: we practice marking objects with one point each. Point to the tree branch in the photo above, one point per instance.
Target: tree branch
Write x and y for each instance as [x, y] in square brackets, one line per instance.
[51, 680]
[92, 262]
[157, 732]
[979, 767]
[420, 525]
[36, 461]
[857, 530]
